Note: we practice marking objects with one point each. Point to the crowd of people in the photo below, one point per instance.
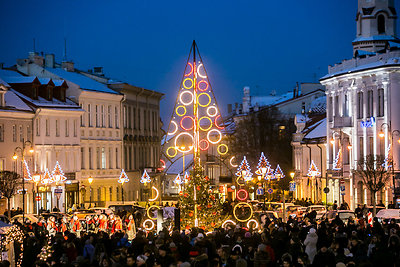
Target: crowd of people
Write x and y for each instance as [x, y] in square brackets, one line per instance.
[120, 241]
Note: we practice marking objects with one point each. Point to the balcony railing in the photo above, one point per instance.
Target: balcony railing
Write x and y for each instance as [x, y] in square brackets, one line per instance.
[340, 122]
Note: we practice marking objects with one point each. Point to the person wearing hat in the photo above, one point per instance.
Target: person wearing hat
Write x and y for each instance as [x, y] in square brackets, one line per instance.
[311, 244]
[141, 260]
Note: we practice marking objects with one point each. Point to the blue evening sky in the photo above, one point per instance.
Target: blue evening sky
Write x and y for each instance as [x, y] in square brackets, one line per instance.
[267, 45]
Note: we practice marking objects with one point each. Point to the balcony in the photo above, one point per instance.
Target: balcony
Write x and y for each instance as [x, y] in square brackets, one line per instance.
[341, 122]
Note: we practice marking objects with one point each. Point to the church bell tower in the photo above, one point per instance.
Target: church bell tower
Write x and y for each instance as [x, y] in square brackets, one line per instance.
[376, 26]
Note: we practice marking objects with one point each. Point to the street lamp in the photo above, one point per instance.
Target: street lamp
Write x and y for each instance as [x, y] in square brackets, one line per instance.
[123, 178]
[90, 181]
[22, 150]
[382, 135]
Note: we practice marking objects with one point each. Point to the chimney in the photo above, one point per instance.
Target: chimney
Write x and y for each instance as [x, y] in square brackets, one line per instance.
[229, 108]
[98, 71]
[49, 60]
[35, 58]
[67, 65]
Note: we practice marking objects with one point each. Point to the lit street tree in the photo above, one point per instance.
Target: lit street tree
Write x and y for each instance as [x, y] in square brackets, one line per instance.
[9, 183]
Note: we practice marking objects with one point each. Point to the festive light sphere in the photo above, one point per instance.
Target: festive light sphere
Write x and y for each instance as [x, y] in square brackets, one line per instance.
[245, 204]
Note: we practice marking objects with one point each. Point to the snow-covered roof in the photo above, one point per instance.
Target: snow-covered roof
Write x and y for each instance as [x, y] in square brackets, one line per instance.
[365, 53]
[318, 105]
[393, 44]
[9, 73]
[20, 79]
[318, 130]
[2, 82]
[300, 118]
[12, 100]
[269, 100]
[55, 103]
[84, 82]
[375, 38]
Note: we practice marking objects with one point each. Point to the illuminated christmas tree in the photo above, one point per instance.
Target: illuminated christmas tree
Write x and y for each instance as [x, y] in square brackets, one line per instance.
[27, 173]
[244, 170]
[58, 174]
[337, 163]
[313, 170]
[145, 179]
[263, 165]
[279, 173]
[195, 127]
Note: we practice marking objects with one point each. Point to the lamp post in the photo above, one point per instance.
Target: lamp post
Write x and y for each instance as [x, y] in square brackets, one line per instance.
[392, 133]
[90, 181]
[22, 150]
[36, 178]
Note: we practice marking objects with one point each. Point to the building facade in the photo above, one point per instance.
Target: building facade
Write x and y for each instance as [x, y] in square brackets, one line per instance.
[362, 95]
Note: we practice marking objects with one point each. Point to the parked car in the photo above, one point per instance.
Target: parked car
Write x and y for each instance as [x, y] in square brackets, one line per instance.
[320, 209]
[344, 215]
[102, 210]
[31, 217]
[262, 215]
[293, 210]
[81, 214]
[385, 215]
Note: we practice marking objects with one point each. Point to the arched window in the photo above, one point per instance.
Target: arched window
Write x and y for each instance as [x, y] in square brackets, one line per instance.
[381, 24]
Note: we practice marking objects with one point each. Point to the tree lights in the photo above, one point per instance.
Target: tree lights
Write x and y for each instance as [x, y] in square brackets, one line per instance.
[58, 174]
[145, 178]
[244, 170]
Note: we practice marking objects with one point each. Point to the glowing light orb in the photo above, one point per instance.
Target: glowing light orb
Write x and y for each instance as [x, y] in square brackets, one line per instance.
[176, 128]
[217, 140]
[198, 99]
[180, 113]
[191, 98]
[210, 123]
[245, 204]
[171, 155]
[179, 147]
[185, 85]
[220, 151]
[212, 111]
[152, 224]
[182, 126]
[204, 144]
[202, 87]
[198, 71]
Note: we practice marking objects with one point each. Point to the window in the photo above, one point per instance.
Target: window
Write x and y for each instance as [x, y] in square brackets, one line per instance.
[1, 132]
[130, 158]
[129, 118]
[28, 133]
[90, 158]
[14, 129]
[361, 147]
[144, 119]
[117, 193]
[381, 24]
[360, 104]
[346, 106]
[111, 192]
[82, 117]
[110, 158]
[109, 117]
[330, 110]
[67, 127]
[134, 118]
[97, 116]
[116, 118]
[21, 134]
[103, 158]
[103, 123]
[337, 106]
[98, 158]
[47, 127]
[381, 101]
[38, 127]
[2, 164]
[99, 194]
[370, 104]
[82, 158]
[139, 118]
[371, 145]
[75, 128]
[125, 158]
[57, 127]
[90, 115]
[125, 117]
[116, 159]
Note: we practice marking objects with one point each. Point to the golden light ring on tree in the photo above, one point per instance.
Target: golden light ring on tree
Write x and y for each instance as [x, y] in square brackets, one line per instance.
[149, 209]
[177, 110]
[215, 110]
[219, 138]
[173, 155]
[204, 105]
[246, 204]
[179, 147]
[209, 127]
[222, 152]
[252, 221]
[151, 223]
[191, 83]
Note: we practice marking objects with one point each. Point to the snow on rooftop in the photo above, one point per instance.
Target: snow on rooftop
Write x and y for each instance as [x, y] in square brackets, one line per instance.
[270, 100]
[2, 82]
[19, 79]
[55, 103]
[9, 73]
[319, 130]
[375, 38]
[318, 105]
[12, 100]
[83, 81]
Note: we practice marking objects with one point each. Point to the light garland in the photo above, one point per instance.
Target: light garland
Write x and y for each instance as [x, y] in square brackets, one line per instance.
[47, 179]
[263, 165]
[244, 170]
[178, 180]
[313, 170]
[173, 155]
[157, 193]
[252, 221]
[226, 222]
[183, 127]
[203, 141]
[337, 162]
[151, 223]
[191, 69]
[245, 204]
[203, 105]
[145, 178]
[14, 234]
[191, 83]
[26, 172]
[199, 87]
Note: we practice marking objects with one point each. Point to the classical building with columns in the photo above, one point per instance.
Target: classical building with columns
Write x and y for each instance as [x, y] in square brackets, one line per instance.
[362, 100]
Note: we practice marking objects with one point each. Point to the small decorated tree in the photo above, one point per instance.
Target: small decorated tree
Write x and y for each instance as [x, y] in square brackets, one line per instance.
[198, 196]
[244, 170]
